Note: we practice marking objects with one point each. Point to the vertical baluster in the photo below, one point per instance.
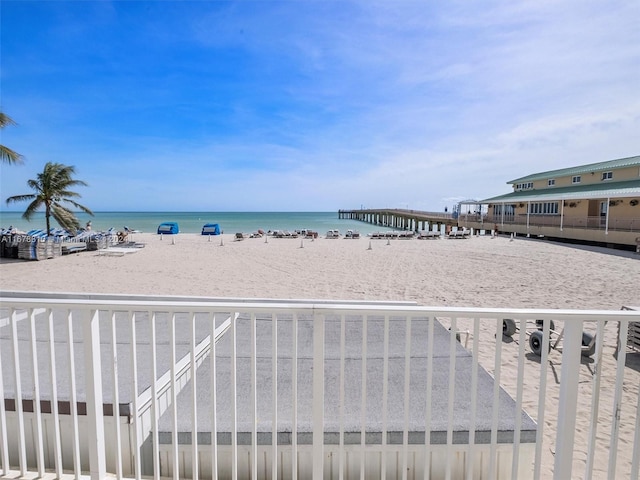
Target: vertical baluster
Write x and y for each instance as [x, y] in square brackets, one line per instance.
[363, 400]
[116, 396]
[174, 398]
[518, 411]
[474, 400]
[542, 395]
[294, 403]
[93, 388]
[595, 401]
[617, 400]
[635, 460]
[568, 399]
[451, 395]
[194, 403]
[341, 459]
[54, 397]
[154, 397]
[4, 444]
[274, 396]
[318, 397]
[385, 397]
[496, 401]
[73, 398]
[135, 395]
[254, 400]
[234, 402]
[37, 409]
[407, 390]
[427, 416]
[22, 452]
[214, 400]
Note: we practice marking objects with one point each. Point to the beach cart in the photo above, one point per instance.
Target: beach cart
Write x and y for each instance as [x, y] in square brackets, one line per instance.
[536, 336]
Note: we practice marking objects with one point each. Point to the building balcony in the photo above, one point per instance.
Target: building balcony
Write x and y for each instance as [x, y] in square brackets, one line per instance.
[181, 387]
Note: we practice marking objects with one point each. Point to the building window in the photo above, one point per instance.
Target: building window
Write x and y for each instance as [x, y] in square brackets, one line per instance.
[507, 210]
[543, 208]
[576, 179]
[524, 186]
[552, 182]
[607, 175]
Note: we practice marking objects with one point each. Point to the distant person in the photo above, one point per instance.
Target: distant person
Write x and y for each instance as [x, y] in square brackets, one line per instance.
[88, 226]
[495, 229]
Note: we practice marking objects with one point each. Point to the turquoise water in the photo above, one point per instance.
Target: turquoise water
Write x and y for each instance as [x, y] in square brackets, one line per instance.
[192, 222]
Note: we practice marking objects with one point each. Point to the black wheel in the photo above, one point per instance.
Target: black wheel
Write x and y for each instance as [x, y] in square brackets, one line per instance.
[588, 340]
[535, 342]
[540, 325]
[457, 335]
[508, 327]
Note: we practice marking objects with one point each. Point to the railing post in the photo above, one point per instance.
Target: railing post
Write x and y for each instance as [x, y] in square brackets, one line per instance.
[318, 397]
[568, 401]
[93, 379]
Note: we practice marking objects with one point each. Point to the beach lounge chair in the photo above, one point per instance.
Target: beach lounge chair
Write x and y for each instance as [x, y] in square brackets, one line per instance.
[428, 235]
[464, 233]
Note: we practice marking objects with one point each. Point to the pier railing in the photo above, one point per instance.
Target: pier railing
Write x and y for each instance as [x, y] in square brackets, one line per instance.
[202, 388]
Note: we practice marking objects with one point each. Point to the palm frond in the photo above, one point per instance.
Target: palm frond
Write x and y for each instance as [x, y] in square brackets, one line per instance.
[9, 156]
[20, 198]
[6, 120]
[65, 218]
[68, 193]
[78, 206]
[32, 208]
[34, 185]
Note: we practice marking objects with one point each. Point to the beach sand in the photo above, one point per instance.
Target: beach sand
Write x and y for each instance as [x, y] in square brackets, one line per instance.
[475, 272]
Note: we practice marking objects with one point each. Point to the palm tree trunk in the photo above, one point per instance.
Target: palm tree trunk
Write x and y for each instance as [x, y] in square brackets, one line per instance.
[47, 214]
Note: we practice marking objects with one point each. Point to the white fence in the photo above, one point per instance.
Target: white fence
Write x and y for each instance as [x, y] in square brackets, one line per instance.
[139, 386]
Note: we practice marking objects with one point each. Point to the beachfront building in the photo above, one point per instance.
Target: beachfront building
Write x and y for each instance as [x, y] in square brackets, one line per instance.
[595, 203]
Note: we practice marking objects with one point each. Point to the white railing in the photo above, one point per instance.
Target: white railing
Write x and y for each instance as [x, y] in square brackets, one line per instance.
[140, 386]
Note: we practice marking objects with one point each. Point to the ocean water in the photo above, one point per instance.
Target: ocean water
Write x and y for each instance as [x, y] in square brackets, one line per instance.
[192, 222]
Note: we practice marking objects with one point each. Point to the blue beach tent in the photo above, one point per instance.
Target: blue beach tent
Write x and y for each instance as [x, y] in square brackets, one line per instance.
[211, 229]
[170, 228]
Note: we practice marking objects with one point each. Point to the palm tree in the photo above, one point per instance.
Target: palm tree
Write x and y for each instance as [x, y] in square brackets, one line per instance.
[52, 187]
[6, 154]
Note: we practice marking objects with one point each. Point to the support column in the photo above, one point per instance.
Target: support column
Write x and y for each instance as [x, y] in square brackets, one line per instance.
[568, 401]
[93, 385]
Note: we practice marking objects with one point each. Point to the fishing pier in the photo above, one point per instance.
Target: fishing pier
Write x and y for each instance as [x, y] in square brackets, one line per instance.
[401, 219]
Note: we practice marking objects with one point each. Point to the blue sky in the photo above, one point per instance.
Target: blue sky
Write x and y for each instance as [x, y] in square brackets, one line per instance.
[314, 105]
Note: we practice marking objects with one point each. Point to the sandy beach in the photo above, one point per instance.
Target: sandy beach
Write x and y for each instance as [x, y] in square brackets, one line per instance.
[477, 272]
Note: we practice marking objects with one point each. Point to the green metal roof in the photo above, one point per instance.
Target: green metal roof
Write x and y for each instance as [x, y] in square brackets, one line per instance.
[628, 188]
[582, 169]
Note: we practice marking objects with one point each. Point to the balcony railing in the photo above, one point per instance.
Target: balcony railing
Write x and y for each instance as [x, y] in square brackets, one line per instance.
[203, 388]
[590, 222]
